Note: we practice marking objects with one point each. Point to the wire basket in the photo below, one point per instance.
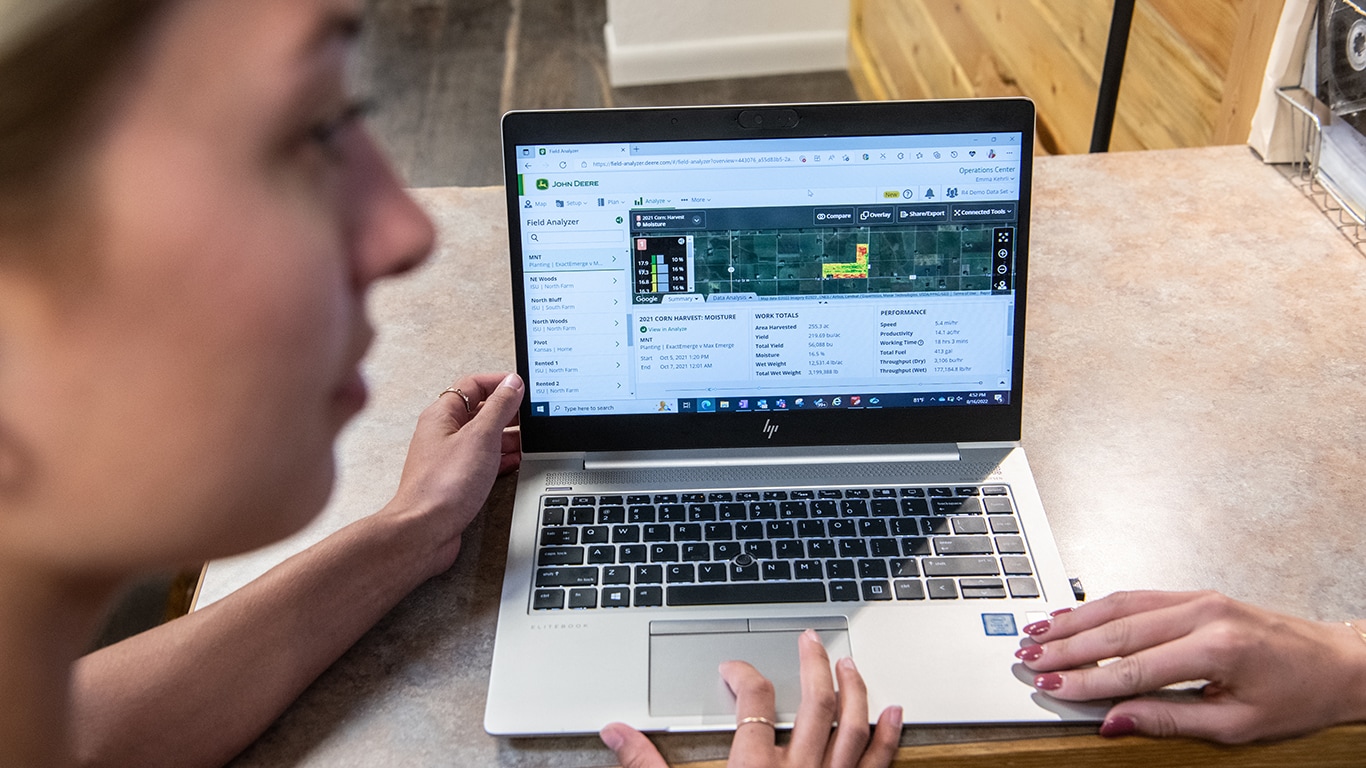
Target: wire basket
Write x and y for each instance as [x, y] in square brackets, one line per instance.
[1308, 114]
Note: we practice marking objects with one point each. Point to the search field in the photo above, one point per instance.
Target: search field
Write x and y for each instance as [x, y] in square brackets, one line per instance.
[578, 237]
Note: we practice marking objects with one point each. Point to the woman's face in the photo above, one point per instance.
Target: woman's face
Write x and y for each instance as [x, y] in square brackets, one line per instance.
[175, 394]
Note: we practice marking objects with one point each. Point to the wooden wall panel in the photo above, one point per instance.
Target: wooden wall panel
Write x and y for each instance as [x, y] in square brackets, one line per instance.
[1191, 78]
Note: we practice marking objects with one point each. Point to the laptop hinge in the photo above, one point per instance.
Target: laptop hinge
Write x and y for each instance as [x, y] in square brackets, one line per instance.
[750, 457]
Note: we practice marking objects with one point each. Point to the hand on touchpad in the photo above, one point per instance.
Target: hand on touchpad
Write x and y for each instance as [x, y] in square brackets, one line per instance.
[683, 666]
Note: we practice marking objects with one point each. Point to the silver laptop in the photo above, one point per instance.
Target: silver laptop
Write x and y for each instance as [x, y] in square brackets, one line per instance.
[773, 358]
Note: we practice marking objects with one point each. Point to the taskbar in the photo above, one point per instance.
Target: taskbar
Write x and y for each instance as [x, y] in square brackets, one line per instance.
[769, 403]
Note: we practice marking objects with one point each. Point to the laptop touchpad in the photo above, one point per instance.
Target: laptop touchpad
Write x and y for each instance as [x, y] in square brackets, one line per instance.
[685, 654]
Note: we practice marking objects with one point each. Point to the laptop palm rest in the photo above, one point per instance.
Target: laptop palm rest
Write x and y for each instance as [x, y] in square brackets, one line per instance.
[685, 655]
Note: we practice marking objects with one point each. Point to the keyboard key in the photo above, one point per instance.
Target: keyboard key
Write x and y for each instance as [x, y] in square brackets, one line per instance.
[560, 556]
[998, 506]
[840, 528]
[903, 567]
[583, 597]
[566, 577]
[711, 571]
[854, 508]
[905, 526]
[610, 500]
[656, 532]
[876, 590]
[915, 547]
[883, 548]
[631, 553]
[963, 545]
[747, 496]
[960, 566]
[804, 495]
[967, 490]
[852, 547]
[759, 550]
[649, 574]
[649, 597]
[941, 492]
[856, 493]
[553, 536]
[935, 526]
[584, 501]
[735, 594]
[552, 516]
[733, 510]
[616, 574]
[808, 569]
[885, 507]
[625, 534]
[773, 570]
[942, 589]
[595, 534]
[1016, 566]
[693, 497]
[977, 589]
[547, 599]
[665, 498]
[884, 493]
[602, 553]
[693, 552]
[688, 532]
[555, 501]
[1023, 587]
[721, 496]
[968, 525]
[582, 516]
[909, 589]
[844, 591]
[829, 493]
[610, 515]
[820, 549]
[825, 508]
[718, 531]
[811, 529]
[1004, 525]
[750, 529]
[778, 529]
[616, 597]
[994, 490]
[790, 549]
[763, 510]
[913, 492]
[956, 506]
[775, 495]
[673, 513]
[1010, 545]
[790, 510]
[638, 498]
[640, 514]
[915, 507]
[680, 572]
[872, 527]
[664, 553]
[725, 550]
[872, 569]
[839, 569]
[744, 571]
[700, 513]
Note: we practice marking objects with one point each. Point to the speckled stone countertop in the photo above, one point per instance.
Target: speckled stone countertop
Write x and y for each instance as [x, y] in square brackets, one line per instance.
[1194, 395]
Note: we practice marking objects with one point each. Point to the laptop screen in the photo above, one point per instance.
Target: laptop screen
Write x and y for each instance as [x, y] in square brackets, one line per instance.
[767, 274]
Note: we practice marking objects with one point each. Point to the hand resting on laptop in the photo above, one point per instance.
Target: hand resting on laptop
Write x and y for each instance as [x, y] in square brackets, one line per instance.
[814, 742]
[1268, 675]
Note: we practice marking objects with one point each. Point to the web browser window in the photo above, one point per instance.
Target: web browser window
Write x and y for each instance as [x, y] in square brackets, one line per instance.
[769, 275]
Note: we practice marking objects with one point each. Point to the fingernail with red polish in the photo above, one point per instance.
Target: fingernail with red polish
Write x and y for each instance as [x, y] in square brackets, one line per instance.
[1048, 682]
[1061, 611]
[1029, 653]
[1119, 725]
[1038, 627]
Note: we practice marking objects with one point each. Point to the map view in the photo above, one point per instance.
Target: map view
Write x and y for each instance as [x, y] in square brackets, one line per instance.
[837, 261]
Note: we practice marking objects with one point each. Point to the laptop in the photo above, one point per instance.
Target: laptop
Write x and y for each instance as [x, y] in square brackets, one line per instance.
[774, 364]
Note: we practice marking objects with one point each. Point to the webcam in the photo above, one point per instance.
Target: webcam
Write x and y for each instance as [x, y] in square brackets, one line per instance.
[768, 118]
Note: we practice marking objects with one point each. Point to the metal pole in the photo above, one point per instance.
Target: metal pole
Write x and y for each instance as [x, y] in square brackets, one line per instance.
[1115, 49]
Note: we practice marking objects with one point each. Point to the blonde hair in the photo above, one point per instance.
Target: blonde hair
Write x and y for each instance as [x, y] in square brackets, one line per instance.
[55, 57]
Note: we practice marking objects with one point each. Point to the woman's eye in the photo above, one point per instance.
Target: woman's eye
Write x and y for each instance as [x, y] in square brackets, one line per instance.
[326, 133]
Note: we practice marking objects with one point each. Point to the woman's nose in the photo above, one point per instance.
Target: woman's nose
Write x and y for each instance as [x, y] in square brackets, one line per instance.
[390, 233]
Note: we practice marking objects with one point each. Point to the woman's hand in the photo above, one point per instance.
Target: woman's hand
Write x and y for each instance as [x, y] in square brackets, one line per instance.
[461, 444]
[813, 742]
[1269, 675]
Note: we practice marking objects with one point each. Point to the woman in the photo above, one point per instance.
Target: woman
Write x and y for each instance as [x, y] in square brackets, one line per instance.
[190, 218]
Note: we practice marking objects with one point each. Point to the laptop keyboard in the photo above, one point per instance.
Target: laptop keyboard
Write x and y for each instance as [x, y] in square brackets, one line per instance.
[796, 545]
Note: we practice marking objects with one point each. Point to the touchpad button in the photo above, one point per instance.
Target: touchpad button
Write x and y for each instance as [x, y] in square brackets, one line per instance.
[684, 680]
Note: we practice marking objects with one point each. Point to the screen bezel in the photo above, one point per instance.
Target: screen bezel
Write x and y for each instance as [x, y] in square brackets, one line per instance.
[875, 426]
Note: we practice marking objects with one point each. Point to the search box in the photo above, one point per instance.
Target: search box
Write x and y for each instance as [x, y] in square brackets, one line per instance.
[586, 236]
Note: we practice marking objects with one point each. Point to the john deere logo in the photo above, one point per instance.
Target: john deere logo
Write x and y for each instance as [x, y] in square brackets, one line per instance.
[543, 184]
